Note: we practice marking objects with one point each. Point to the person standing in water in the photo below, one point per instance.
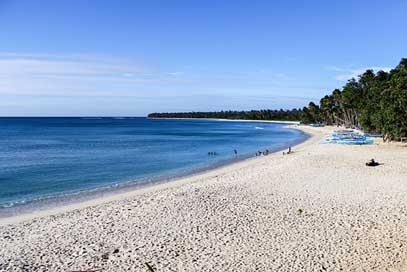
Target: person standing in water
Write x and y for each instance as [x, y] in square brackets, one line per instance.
[235, 151]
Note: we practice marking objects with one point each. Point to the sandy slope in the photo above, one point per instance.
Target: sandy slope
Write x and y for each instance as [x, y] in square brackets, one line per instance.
[319, 209]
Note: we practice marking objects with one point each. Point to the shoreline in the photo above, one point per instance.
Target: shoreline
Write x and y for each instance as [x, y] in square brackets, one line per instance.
[231, 120]
[132, 189]
[318, 209]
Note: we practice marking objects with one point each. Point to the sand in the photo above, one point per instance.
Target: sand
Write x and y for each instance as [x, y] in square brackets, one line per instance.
[232, 120]
[318, 209]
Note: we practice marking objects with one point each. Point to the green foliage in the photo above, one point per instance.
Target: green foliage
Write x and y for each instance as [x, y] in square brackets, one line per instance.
[280, 115]
[376, 103]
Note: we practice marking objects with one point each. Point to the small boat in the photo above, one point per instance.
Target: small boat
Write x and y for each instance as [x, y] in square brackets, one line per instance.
[344, 131]
[368, 135]
[348, 137]
[328, 141]
[355, 142]
[316, 125]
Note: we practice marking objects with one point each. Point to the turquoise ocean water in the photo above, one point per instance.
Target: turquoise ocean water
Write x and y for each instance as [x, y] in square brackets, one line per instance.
[50, 161]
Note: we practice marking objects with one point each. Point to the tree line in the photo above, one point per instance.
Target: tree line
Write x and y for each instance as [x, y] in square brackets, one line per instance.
[374, 102]
[280, 115]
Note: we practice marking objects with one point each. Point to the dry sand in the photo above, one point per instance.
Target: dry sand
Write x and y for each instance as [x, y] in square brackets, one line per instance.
[232, 120]
[318, 209]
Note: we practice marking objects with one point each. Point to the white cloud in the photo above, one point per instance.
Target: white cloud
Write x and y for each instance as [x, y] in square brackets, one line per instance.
[345, 74]
[74, 74]
[34, 66]
[175, 73]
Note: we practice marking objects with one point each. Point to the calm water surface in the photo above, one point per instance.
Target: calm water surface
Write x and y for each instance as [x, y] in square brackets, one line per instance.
[45, 161]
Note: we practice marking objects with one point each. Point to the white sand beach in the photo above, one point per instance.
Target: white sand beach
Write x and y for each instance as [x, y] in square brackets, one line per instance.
[232, 120]
[318, 209]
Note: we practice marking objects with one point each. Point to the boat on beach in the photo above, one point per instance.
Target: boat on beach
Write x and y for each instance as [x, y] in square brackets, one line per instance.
[348, 137]
[368, 135]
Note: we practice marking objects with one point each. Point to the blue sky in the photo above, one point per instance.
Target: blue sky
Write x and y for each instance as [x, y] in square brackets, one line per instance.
[128, 58]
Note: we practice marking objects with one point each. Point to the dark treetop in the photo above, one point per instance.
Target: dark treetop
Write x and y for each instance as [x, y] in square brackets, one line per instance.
[281, 115]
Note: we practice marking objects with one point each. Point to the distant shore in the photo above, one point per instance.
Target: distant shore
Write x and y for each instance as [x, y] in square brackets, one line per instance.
[232, 120]
[319, 208]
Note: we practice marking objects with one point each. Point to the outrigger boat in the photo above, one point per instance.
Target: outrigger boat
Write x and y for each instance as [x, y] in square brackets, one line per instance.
[349, 137]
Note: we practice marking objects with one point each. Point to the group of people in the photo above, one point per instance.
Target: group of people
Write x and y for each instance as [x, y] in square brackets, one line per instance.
[258, 153]
[264, 153]
[212, 153]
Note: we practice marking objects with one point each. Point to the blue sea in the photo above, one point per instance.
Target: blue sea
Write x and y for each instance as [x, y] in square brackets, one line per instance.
[52, 161]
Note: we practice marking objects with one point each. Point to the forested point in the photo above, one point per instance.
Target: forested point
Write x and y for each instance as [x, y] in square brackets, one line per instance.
[374, 102]
[280, 115]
